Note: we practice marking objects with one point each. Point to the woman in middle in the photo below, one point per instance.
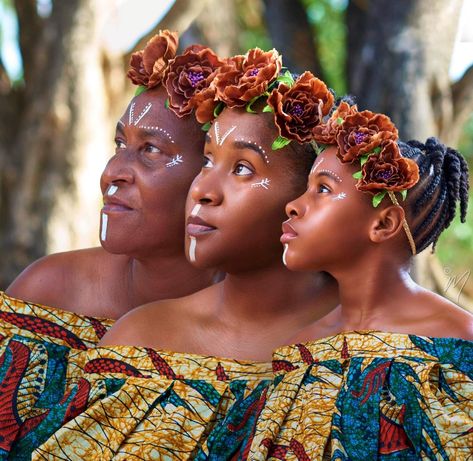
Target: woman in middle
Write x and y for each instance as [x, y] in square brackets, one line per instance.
[152, 402]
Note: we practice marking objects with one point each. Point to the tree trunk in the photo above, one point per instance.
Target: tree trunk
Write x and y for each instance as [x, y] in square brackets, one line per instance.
[55, 137]
[292, 35]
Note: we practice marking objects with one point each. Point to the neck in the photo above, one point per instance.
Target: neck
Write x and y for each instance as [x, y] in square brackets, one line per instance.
[269, 293]
[373, 293]
[166, 277]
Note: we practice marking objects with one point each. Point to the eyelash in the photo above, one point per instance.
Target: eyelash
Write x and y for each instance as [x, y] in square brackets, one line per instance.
[149, 148]
[323, 186]
[119, 144]
[204, 164]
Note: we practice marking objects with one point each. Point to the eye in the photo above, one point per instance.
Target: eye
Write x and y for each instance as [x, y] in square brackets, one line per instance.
[323, 189]
[243, 170]
[207, 162]
[119, 144]
[152, 149]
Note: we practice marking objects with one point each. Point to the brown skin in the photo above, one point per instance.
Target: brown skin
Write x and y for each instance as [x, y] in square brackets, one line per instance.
[366, 250]
[142, 258]
[260, 304]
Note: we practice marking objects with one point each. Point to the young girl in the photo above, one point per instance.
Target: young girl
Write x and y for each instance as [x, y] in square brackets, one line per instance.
[388, 374]
[234, 210]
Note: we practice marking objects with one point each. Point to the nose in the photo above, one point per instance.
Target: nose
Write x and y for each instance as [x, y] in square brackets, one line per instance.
[206, 189]
[294, 209]
[119, 170]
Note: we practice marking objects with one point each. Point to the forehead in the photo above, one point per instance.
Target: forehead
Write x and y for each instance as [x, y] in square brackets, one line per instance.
[148, 109]
[258, 128]
[328, 160]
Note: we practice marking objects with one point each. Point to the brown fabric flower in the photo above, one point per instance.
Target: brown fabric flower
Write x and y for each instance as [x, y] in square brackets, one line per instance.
[300, 108]
[362, 132]
[148, 66]
[326, 133]
[388, 171]
[189, 79]
[246, 77]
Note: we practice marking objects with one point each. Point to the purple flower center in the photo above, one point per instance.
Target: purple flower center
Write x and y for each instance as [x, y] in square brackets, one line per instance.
[254, 72]
[297, 110]
[359, 137]
[195, 78]
[383, 175]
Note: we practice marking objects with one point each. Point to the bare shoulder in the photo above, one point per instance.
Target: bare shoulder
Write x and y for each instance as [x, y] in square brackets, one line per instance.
[447, 319]
[54, 279]
[159, 324]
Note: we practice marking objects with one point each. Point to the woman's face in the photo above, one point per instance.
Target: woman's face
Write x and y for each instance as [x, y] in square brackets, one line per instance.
[236, 204]
[145, 183]
[329, 223]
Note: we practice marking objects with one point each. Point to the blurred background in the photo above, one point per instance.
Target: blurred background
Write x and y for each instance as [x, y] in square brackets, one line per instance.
[63, 87]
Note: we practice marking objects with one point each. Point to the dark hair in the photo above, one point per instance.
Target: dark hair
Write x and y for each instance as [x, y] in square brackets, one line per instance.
[432, 202]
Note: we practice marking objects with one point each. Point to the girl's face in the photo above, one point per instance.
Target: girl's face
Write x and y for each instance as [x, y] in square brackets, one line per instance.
[236, 204]
[145, 183]
[329, 224]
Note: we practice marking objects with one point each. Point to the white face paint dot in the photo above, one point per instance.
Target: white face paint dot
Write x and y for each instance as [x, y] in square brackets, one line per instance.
[286, 247]
[192, 247]
[112, 189]
[103, 233]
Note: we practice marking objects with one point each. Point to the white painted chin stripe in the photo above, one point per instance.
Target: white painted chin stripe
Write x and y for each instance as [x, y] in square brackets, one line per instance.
[103, 234]
[286, 247]
[196, 210]
[112, 189]
[192, 246]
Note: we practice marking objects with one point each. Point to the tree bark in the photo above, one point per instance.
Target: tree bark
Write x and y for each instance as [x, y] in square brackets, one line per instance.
[292, 35]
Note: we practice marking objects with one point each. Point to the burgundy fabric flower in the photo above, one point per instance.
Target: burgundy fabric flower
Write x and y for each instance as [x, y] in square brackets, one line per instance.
[148, 66]
[189, 81]
[245, 77]
[388, 171]
[326, 133]
[300, 108]
[361, 133]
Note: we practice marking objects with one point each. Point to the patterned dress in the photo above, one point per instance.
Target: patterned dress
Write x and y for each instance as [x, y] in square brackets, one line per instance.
[35, 342]
[369, 396]
[142, 404]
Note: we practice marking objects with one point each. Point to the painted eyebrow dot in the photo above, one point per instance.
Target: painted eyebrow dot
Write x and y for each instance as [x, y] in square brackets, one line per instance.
[255, 144]
[157, 128]
[331, 173]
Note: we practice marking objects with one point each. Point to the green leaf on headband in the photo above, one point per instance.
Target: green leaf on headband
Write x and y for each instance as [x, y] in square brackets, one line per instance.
[140, 89]
[357, 175]
[378, 198]
[319, 148]
[248, 106]
[280, 142]
[267, 108]
[166, 103]
[363, 159]
[206, 126]
[404, 194]
[218, 109]
[286, 78]
[377, 150]
[339, 120]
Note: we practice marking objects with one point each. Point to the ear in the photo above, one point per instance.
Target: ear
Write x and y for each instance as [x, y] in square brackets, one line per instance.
[387, 224]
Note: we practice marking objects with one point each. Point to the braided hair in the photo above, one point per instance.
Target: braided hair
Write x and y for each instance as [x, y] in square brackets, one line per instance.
[431, 204]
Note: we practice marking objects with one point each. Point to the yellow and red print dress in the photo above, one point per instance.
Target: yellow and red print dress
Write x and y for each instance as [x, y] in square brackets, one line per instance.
[369, 396]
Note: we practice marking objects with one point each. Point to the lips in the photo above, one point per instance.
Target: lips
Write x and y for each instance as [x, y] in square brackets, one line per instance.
[197, 226]
[288, 233]
[115, 205]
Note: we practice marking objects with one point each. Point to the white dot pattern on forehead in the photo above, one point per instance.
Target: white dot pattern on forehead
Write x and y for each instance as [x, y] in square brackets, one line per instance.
[256, 145]
[157, 128]
[130, 113]
[332, 173]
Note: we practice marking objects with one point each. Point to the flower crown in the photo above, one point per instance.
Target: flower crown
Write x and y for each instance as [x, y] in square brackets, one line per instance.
[370, 139]
[201, 81]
